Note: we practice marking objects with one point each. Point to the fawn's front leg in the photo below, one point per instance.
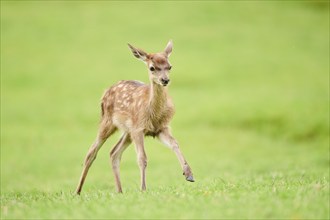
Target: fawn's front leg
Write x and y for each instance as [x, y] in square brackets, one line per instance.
[166, 138]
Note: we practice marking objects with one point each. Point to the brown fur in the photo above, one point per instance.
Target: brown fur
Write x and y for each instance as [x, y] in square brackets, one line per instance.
[138, 110]
[159, 59]
[131, 102]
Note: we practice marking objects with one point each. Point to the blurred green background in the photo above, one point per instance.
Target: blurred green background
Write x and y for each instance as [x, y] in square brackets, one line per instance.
[250, 82]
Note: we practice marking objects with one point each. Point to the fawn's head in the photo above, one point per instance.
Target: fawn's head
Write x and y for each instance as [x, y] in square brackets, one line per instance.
[157, 63]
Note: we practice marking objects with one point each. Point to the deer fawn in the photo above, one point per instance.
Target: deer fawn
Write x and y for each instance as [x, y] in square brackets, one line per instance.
[138, 110]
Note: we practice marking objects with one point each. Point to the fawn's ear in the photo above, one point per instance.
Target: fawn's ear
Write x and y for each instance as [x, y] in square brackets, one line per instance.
[138, 53]
[168, 48]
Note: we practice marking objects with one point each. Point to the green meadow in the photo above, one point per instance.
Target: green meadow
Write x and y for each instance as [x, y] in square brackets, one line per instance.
[250, 83]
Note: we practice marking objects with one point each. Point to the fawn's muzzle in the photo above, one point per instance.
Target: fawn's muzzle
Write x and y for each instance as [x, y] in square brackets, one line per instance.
[165, 81]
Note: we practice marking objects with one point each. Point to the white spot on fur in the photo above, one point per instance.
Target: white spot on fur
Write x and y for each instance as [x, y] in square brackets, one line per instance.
[129, 124]
[139, 103]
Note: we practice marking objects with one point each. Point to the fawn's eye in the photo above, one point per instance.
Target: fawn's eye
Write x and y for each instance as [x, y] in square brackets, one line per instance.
[152, 68]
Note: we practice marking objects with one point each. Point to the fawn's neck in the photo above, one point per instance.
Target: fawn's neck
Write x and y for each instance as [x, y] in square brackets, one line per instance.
[158, 97]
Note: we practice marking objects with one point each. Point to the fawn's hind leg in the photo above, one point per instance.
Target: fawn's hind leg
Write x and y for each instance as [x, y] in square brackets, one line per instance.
[115, 156]
[106, 129]
[138, 140]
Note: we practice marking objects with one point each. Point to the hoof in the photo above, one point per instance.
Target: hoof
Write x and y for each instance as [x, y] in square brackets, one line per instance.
[190, 178]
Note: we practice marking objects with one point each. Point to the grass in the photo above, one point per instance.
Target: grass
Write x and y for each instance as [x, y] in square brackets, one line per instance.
[250, 81]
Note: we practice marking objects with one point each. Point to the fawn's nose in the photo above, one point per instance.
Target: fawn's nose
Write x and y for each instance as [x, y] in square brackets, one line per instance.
[165, 81]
